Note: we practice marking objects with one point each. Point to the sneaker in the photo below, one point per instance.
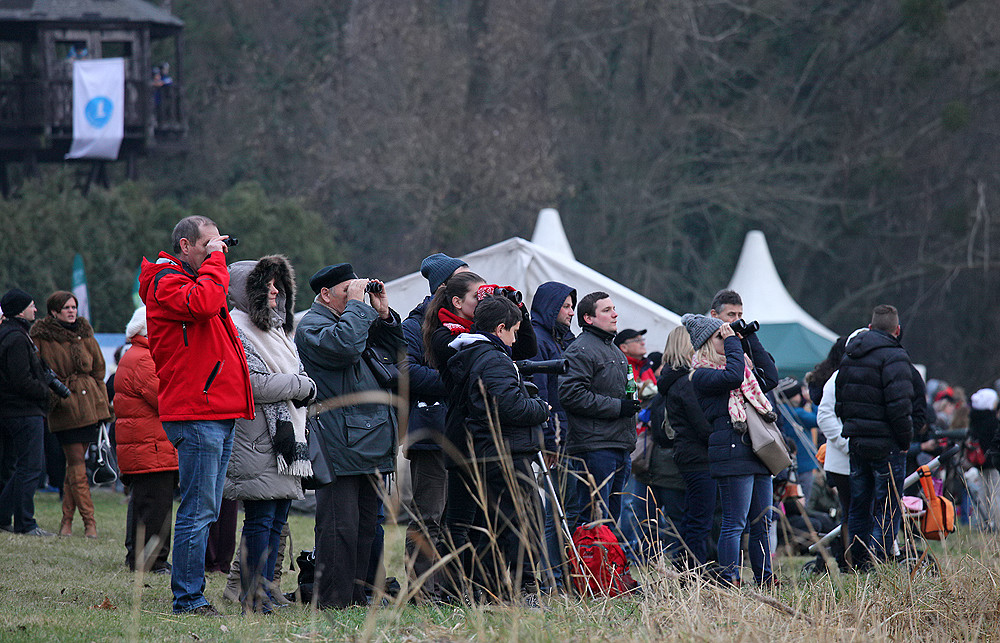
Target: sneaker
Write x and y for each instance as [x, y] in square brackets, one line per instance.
[38, 531]
[203, 610]
[530, 601]
[7, 528]
[161, 570]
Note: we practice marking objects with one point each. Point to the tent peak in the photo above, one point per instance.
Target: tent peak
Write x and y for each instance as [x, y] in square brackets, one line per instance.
[550, 234]
[764, 295]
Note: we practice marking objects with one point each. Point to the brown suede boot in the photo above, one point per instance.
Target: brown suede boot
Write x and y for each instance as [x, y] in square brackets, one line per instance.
[232, 590]
[68, 509]
[276, 595]
[83, 500]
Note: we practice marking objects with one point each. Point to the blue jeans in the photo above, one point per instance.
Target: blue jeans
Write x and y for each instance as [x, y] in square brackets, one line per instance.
[745, 499]
[700, 498]
[203, 448]
[610, 470]
[876, 486]
[263, 521]
[23, 450]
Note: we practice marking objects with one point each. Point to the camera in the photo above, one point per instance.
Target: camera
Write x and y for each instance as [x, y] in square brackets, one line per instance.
[744, 328]
[374, 287]
[544, 367]
[56, 384]
[231, 241]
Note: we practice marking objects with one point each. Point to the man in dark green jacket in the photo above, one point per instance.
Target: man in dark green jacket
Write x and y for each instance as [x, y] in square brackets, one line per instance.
[356, 443]
[601, 416]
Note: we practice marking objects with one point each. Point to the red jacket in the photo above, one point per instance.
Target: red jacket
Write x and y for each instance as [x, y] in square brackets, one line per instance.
[198, 355]
[143, 447]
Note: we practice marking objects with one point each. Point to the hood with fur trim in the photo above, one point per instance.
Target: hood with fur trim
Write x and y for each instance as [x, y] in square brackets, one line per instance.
[49, 329]
[248, 291]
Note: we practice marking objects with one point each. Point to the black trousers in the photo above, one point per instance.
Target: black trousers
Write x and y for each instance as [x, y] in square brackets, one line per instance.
[150, 516]
[514, 521]
[22, 439]
[346, 517]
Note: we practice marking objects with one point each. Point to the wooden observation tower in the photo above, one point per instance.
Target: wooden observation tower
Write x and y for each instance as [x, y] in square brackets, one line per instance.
[40, 39]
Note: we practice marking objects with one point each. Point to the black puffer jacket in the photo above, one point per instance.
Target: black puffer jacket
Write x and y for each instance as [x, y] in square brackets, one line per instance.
[23, 388]
[687, 419]
[521, 417]
[875, 395]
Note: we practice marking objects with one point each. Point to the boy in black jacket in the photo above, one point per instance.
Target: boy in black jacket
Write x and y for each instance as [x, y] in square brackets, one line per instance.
[505, 425]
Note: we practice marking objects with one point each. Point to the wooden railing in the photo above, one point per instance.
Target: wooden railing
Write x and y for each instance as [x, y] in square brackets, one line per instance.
[33, 104]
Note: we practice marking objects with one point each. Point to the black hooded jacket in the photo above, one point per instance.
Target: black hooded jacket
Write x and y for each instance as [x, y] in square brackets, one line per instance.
[427, 392]
[553, 338]
[687, 419]
[479, 360]
[875, 395]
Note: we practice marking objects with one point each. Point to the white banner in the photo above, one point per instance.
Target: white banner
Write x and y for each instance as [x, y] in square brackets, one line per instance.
[98, 108]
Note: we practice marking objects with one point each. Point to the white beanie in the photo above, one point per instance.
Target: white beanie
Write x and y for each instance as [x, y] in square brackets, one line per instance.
[136, 325]
[985, 399]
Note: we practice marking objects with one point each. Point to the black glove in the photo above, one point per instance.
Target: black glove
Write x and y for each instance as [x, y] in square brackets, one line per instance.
[629, 407]
[284, 440]
[305, 401]
[993, 458]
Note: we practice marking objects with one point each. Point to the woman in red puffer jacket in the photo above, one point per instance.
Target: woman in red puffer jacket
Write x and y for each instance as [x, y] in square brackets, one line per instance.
[146, 458]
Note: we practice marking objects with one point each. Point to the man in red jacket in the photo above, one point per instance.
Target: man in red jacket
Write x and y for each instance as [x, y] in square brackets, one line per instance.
[204, 387]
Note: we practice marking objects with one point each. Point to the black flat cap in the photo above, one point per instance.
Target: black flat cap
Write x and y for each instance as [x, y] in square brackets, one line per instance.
[331, 276]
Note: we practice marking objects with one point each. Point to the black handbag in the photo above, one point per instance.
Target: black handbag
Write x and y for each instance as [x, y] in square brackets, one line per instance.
[106, 464]
[383, 367]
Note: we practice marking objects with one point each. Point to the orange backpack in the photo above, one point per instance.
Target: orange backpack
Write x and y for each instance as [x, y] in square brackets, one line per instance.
[939, 519]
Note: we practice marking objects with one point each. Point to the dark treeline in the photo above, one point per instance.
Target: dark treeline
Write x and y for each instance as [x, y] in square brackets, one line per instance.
[861, 136]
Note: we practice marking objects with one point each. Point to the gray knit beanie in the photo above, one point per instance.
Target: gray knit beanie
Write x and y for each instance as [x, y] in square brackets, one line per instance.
[700, 328]
[438, 267]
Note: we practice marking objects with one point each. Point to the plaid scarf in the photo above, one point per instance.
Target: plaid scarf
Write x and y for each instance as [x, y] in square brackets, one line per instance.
[748, 391]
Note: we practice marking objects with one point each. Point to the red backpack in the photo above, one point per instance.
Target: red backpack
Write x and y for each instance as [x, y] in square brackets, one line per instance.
[599, 567]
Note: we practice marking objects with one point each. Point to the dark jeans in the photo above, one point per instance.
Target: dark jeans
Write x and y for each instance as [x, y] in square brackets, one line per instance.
[696, 527]
[429, 482]
[604, 474]
[376, 570]
[876, 486]
[513, 518]
[746, 501]
[263, 521]
[55, 461]
[653, 506]
[346, 517]
[221, 545]
[462, 512]
[150, 507]
[23, 439]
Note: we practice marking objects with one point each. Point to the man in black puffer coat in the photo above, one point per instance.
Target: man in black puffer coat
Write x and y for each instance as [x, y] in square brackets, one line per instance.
[875, 403]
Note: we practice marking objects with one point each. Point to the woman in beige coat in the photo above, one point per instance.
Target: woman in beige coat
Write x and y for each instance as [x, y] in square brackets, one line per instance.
[66, 342]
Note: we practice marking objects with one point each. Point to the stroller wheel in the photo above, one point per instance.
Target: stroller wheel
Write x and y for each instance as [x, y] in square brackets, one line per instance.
[921, 562]
[815, 567]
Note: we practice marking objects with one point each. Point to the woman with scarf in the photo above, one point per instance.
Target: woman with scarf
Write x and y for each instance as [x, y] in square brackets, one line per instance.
[66, 342]
[727, 389]
[269, 456]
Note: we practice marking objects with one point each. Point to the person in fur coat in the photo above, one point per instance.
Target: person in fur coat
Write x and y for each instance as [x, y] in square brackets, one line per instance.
[270, 455]
[66, 342]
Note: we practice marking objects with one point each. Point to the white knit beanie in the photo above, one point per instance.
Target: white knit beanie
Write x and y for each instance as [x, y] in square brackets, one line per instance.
[136, 325]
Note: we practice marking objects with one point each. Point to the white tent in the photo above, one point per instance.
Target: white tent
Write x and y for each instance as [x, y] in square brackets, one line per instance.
[792, 335]
[764, 295]
[526, 265]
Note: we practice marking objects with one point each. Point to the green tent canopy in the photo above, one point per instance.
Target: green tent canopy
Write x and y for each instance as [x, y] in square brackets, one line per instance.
[795, 348]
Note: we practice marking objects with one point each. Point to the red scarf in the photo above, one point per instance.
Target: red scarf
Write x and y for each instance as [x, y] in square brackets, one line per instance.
[453, 322]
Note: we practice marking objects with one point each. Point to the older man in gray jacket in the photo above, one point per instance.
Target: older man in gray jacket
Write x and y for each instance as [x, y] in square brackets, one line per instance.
[601, 416]
[357, 443]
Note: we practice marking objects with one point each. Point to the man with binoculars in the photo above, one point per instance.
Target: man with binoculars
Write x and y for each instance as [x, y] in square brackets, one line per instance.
[24, 401]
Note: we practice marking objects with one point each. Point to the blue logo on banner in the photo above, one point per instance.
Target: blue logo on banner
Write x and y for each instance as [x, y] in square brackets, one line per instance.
[98, 111]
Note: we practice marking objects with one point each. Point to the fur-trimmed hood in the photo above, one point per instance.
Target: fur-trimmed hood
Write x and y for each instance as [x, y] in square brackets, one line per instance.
[49, 329]
[248, 291]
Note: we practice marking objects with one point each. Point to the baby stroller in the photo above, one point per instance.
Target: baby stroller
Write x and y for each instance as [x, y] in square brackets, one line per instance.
[931, 518]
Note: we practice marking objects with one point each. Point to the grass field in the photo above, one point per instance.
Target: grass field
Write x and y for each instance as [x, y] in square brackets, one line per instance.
[49, 588]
